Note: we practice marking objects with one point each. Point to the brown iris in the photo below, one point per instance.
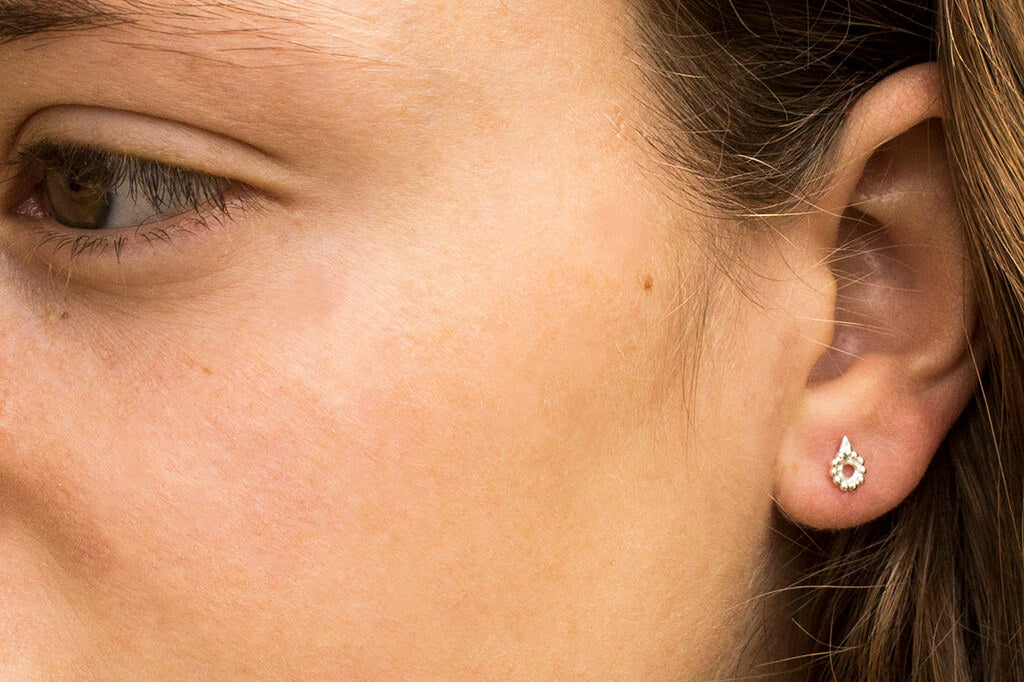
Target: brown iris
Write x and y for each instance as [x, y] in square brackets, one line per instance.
[80, 199]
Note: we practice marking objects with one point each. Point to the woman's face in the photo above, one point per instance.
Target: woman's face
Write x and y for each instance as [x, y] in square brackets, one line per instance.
[425, 401]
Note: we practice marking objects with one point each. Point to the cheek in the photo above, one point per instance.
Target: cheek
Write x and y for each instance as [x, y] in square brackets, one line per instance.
[397, 449]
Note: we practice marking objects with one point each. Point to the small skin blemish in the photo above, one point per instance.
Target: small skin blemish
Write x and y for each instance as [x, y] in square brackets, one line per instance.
[65, 315]
[207, 371]
[648, 282]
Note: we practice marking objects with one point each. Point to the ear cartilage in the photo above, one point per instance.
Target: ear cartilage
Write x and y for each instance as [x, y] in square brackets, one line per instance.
[847, 458]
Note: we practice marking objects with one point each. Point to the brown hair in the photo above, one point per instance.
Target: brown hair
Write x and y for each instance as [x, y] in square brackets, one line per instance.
[749, 99]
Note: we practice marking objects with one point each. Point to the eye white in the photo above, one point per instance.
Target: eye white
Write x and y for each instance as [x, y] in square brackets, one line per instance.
[131, 208]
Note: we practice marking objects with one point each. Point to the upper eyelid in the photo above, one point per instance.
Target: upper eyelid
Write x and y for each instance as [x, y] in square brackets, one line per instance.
[160, 141]
[145, 179]
[53, 153]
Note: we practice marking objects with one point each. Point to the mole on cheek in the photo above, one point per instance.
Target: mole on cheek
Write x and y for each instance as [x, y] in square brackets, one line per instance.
[648, 282]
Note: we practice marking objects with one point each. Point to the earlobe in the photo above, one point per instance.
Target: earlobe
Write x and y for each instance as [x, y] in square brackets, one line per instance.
[902, 363]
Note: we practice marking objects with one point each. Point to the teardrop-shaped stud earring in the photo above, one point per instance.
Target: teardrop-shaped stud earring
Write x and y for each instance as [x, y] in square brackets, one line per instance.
[847, 458]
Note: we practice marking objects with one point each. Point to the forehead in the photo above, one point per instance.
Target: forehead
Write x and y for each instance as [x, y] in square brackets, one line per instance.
[269, 71]
[312, 24]
[25, 16]
[377, 31]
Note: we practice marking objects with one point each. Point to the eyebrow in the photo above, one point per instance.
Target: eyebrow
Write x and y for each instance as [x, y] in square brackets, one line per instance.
[20, 19]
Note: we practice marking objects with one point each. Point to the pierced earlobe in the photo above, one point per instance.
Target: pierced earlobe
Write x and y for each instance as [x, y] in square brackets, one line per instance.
[848, 458]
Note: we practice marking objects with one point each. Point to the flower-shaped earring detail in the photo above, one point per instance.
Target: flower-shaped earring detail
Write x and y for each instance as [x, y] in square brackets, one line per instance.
[848, 458]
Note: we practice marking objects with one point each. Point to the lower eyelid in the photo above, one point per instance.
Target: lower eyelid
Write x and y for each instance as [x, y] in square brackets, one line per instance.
[178, 249]
[74, 244]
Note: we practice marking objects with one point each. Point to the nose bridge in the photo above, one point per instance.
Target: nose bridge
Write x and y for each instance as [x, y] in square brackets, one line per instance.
[42, 497]
[20, 375]
[11, 319]
[20, 330]
[54, 544]
[29, 368]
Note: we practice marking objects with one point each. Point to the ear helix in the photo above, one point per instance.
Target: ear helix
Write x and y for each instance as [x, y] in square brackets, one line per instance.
[845, 459]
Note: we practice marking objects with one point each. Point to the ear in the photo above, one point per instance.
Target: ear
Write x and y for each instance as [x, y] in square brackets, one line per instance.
[897, 364]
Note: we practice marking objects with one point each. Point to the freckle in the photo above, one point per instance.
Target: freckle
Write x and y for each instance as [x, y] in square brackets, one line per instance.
[65, 315]
[207, 371]
[648, 282]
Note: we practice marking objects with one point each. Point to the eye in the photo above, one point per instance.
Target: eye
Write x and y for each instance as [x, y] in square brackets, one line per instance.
[78, 198]
[87, 218]
[86, 189]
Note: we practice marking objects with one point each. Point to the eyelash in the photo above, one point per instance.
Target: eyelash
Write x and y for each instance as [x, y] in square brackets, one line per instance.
[206, 199]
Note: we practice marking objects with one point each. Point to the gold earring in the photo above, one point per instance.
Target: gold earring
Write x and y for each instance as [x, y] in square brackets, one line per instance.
[847, 458]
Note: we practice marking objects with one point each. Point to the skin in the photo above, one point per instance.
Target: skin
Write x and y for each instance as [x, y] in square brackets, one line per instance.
[433, 408]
